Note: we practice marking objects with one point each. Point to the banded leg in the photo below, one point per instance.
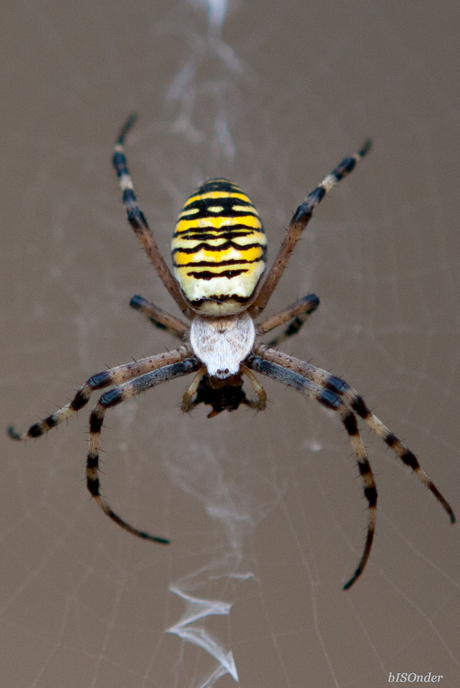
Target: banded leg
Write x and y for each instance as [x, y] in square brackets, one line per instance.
[298, 223]
[138, 221]
[113, 376]
[297, 314]
[332, 401]
[356, 403]
[110, 399]
[160, 318]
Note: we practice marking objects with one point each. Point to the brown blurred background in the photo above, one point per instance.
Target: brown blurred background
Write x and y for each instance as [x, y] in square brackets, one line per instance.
[265, 512]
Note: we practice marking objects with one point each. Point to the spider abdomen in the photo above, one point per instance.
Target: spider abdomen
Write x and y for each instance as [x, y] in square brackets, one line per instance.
[219, 249]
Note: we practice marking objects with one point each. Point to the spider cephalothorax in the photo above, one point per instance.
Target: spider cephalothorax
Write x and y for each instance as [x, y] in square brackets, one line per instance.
[219, 257]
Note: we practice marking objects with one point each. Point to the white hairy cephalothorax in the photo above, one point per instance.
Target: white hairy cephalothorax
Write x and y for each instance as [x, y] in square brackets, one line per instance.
[222, 343]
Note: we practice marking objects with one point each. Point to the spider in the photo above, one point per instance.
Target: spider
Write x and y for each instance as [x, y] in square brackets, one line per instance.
[219, 257]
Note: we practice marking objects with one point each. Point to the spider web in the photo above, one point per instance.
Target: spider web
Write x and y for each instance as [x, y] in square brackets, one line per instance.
[265, 512]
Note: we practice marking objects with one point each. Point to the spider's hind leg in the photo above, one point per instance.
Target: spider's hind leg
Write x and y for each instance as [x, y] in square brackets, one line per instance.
[296, 315]
[160, 318]
[137, 219]
[299, 221]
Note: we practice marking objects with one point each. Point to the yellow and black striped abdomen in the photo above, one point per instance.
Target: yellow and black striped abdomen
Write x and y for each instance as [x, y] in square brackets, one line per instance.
[219, 249]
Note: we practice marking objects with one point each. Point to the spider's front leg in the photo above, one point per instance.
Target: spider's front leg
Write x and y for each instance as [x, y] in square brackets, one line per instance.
[113, 376]
[110, 400]
[355, 402]
[331, 400]
[334, 393]
[131, 379]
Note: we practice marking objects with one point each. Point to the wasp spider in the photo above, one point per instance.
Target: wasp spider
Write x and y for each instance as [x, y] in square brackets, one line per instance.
[219, 257]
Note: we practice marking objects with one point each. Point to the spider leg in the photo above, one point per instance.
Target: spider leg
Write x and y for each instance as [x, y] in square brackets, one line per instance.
[112, 398]
[113, 376]
[331, 400]
[260, 405]
[298, 223]
[297, 314]
[138, 221]
[160, 318]
[356, 403]
[187, 404]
